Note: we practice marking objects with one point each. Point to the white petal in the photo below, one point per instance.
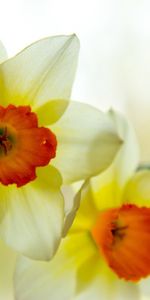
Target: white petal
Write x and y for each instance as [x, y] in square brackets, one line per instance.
[106, 190]
[87, 142]
[108, 187]
[32, 216]
[56, 279]
[128, 156]
[45, 70]
[52, 280]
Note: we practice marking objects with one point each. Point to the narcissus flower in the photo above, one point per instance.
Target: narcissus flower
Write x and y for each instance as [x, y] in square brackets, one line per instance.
[106, 252]
[41, 137]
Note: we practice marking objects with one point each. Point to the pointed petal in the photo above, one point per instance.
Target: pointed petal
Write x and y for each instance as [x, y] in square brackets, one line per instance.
[43, 71]
[87, 142]
[108, 187]
[32, 216]
[3, 53]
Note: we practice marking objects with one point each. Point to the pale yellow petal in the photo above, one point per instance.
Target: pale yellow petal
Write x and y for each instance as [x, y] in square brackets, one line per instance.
[77, 272]
[95, 280]
[32, 216]
[7, 269]
[43, 71]
[87, 142]
[51, 111]
[138, 189]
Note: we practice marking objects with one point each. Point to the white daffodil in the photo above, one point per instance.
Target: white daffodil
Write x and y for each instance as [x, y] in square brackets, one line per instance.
[44, 143]
[106, 252]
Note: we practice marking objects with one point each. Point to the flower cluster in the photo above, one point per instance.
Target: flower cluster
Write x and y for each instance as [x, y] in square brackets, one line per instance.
[46, 142]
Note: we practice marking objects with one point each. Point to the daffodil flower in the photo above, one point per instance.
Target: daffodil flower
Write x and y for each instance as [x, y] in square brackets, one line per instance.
[44, 143]
[106, 252]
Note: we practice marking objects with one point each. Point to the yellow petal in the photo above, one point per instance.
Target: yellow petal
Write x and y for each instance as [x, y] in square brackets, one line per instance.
[51, 111]
[32, 216]
[43, 71]
[87, 142]
[138, 189]
[84, 217]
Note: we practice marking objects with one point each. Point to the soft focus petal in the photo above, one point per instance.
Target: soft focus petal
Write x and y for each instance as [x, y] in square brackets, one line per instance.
[87, 142]
[45, 70]
[144, 287]
[138, 189]
[76, 272]
[102, 288]
[40, 280]
[3, 53]
[108, 187]
[128, 157]
[7, 269]
[55, 279]
[32, 216]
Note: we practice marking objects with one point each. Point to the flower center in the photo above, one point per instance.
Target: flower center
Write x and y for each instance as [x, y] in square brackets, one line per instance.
[5, 141]
[122, 236]
[23, 145]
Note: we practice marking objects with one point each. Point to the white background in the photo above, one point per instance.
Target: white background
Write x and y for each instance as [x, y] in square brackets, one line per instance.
[114, 65]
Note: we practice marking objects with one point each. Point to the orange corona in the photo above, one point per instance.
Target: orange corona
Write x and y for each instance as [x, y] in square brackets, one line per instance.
[23, 145]
[123, 237]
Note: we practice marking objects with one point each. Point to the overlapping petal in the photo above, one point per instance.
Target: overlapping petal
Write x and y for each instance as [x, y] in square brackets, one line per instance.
[32, 217]
[43, 71]
[55, 279]
[75, 273]
[106, 190]
[108, 187]
[87, 142]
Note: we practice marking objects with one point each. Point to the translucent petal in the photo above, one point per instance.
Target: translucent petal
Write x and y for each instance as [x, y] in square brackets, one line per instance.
[32, 216]
[87, 142]
[43, 71]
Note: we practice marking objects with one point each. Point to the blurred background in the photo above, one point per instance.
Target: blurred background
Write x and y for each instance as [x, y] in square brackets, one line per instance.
[114, 64]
